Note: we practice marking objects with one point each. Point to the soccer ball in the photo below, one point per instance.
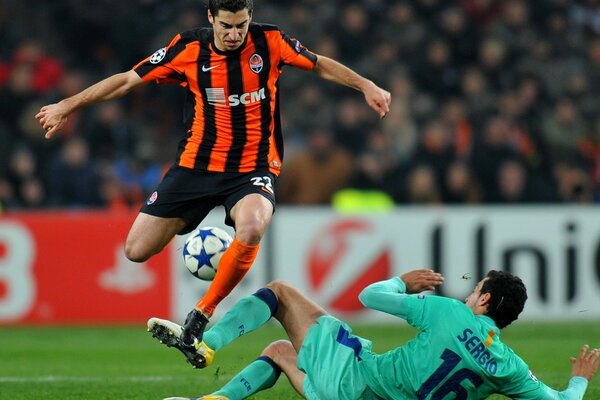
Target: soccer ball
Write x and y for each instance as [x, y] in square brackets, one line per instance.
[203, 249]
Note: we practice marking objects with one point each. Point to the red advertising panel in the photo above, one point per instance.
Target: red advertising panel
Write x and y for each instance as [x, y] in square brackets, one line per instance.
[69, 267]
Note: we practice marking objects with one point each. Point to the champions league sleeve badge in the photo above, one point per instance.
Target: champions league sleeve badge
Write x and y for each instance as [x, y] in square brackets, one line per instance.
[158, 56]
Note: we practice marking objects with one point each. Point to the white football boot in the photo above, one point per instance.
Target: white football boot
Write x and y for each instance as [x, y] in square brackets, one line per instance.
[169, 334]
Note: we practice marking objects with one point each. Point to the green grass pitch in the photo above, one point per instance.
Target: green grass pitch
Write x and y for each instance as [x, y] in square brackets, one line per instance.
[95, 363]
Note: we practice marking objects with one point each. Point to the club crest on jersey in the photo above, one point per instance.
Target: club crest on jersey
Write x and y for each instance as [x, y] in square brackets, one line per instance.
[256, 63]
[152, 198]
[158, 56]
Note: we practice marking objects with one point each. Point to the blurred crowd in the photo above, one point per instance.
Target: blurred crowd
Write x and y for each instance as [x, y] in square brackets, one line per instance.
[493, 101]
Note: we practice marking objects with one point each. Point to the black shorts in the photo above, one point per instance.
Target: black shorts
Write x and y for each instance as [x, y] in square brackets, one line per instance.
[191, 195]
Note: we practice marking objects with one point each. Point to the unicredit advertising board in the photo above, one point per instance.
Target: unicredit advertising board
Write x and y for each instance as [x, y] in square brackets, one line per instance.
[69, 267]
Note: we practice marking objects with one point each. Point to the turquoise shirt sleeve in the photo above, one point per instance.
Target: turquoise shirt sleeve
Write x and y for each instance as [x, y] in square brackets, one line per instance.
[532, 389]
[387, 296]
[418, 310]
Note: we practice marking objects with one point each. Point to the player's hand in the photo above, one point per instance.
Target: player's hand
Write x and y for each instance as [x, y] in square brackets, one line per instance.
[586, 364]
[378, 99]
[52, 118]
[421, 279]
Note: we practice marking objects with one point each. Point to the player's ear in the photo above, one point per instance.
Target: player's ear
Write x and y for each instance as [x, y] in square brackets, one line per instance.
[484, 299]
[211, 19]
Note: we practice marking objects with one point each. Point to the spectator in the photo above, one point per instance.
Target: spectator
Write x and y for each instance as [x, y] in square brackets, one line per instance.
[483, 13]
[8, 198]
[511, 184]
[74, 180]
[493, 58]
[400, 131]
[574, 183]
[460, 185]
[138, 175]
[493, 148]
[422, 187]
[565, 132]
[408, 31]
[455, 121]
[478, 97]
[533, 66]
[514, 27]
[460, 36]
[377, 168]
[436, 149]
[437, 74]
[313, 176]
[350, 29]
[349, 125]
[26, 190]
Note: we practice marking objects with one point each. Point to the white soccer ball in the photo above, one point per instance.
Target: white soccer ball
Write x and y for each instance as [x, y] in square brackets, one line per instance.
[203, 249]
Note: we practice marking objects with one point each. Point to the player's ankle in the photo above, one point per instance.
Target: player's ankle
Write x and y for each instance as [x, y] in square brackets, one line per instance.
[203, 312]
[193, 329]
[205, 309]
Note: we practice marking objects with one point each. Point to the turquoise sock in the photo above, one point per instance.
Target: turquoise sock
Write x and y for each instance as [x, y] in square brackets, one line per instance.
[260, 374]
[245, 316]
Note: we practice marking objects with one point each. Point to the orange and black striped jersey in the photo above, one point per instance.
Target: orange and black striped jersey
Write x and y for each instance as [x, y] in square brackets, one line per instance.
[231, 111]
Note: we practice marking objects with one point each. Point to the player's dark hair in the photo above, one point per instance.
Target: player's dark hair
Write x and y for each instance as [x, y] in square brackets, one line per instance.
[214, 6]
[508, 296]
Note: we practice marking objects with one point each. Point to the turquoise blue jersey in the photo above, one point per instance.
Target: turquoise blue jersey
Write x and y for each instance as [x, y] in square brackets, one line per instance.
[456, 354]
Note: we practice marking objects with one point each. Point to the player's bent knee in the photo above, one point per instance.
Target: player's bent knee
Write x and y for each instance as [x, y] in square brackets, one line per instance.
[135, 253]
[250, 233]
[279, 351]
[279, 287]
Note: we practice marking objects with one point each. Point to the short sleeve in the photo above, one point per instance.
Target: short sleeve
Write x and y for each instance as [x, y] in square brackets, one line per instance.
[295, 54]
[166, 65]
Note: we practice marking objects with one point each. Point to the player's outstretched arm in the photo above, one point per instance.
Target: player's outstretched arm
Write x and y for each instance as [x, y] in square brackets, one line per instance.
[391, 296]
[53, 117]
[419, 280]
[584, 366]
[377, 98]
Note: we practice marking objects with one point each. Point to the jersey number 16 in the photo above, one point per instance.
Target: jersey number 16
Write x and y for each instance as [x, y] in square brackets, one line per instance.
[452, 385]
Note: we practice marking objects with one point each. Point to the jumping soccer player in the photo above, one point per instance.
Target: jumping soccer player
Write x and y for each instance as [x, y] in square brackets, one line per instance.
[457, 353]
[231, 151]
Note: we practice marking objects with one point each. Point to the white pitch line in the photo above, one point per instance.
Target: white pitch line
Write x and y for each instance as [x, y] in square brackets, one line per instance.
[58, 378]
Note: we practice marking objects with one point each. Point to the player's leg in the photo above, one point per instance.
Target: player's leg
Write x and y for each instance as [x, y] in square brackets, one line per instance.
[295, 311]
[261, 374]
[149, 234]
[251, 215]
[179, 203]
[285, 357]
[245, 316]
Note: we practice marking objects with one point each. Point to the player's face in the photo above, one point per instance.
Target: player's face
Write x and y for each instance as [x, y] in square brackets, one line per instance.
[471, 300]
[230, 28]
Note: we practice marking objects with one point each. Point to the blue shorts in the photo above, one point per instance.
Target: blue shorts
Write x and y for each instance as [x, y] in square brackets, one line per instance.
[330, 358]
